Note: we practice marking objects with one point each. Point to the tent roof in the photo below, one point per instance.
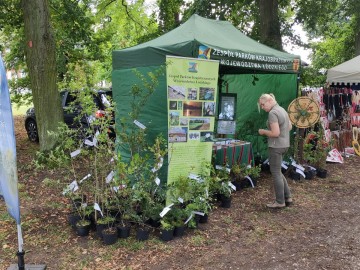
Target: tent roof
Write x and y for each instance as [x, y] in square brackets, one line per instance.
[347, 72]
[225, 43]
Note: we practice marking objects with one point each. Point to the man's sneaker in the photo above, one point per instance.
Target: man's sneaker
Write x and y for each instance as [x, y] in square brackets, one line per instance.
[288, 202]
[275, 205]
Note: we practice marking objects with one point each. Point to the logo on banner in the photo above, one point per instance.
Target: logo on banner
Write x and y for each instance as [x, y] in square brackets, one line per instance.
[204, 52]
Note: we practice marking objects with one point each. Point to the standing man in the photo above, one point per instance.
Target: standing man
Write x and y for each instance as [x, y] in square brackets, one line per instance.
[278, 134]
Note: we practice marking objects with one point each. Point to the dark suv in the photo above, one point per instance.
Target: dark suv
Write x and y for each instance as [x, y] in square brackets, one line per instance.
[72, 110]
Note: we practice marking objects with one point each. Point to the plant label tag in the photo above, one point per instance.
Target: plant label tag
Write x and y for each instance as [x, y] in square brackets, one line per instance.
[312, 168]
[248, 166]
[95, 141]
[86, 177]
[157, 181]
[164, 211]
[88, 142]
[181, 200]
[300, 172]
[300, 167]
[190, 217]
[195, 177]
[199, 213]
[283, 165]
[266, 161]
[97, 208]
[109, 177]
[136, 122]
[116, 189]
[75, 153]
[251, 182]
[73, 186]
[232, 186]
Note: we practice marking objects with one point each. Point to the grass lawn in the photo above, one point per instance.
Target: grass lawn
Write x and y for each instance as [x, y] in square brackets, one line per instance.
[20, 110]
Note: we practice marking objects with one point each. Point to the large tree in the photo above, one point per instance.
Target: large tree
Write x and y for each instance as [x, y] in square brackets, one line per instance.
[269, 26]
[41, 62]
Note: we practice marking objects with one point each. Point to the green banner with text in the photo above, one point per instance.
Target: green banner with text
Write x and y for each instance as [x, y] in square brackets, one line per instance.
[192, 94]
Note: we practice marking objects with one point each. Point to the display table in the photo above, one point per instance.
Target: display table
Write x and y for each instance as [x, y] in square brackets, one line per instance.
[233, 153]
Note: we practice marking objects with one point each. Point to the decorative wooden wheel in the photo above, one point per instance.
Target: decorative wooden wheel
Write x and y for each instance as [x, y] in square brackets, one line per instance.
[304, 112]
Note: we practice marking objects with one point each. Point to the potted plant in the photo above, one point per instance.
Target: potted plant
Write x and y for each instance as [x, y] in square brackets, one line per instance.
[220, 185]
[82, 226]
[315, 150]
[167, 228]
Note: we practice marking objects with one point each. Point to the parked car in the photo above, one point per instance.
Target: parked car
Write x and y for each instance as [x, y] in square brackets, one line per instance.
[72, 110]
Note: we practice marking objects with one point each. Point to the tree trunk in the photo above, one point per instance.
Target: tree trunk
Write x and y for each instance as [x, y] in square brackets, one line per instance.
[41, 63]
[269, 23]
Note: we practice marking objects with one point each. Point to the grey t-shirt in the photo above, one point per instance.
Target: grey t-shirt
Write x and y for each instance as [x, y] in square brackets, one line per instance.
[278, 114]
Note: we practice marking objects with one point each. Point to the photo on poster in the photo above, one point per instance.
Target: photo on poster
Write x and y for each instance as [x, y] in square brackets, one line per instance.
[209, 109]
[178, 134]
[184, 121]
[206, 93]
[227, 107]
[176, 92]
[194, 136]
[192, 108]
[226, 127]
[193, 67]
[172, 105]
[180, 105]
[207, 136]
[199, 124]
[192, 94]
[174, 118]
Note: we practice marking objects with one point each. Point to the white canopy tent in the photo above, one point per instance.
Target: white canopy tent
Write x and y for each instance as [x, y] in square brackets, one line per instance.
[345, 73]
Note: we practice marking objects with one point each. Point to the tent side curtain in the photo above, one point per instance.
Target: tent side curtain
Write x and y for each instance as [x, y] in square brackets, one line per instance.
[249, 88]
[345, 73]
[210, 39]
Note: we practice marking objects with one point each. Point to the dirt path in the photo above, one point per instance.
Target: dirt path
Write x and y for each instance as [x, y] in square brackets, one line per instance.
[321, 230]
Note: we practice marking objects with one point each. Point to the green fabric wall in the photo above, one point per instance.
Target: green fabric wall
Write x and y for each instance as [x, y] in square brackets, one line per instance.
[248, 90]
[154, 113]
[249, 120]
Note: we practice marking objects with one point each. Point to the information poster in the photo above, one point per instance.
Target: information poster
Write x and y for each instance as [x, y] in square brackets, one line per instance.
[192, 92]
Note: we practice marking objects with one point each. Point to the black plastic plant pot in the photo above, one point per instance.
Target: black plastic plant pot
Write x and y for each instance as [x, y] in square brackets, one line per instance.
[167, 235]
[225, 202]
[123, 231]
[204, 218]
[322, 173]
[109, 236]
[295, 176]
[99, 229]
[179, 231]
[142, 234]
[82, 230]
[73, 218]
[309, 174]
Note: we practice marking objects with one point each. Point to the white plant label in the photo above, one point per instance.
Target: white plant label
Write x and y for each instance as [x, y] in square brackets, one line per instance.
[232, 186]
[110, 177]
[88, 142]
[165, 210]
[97, 208]
[300, 172]
[157, 181]
[283, 165]
[75, 153]
[199, 213]
[190, 217]
[86, 177]
[136, 122]
[181, 200]
[251, 182]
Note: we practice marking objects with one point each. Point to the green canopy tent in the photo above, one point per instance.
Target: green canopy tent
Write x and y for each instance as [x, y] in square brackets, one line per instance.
[247, 68]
